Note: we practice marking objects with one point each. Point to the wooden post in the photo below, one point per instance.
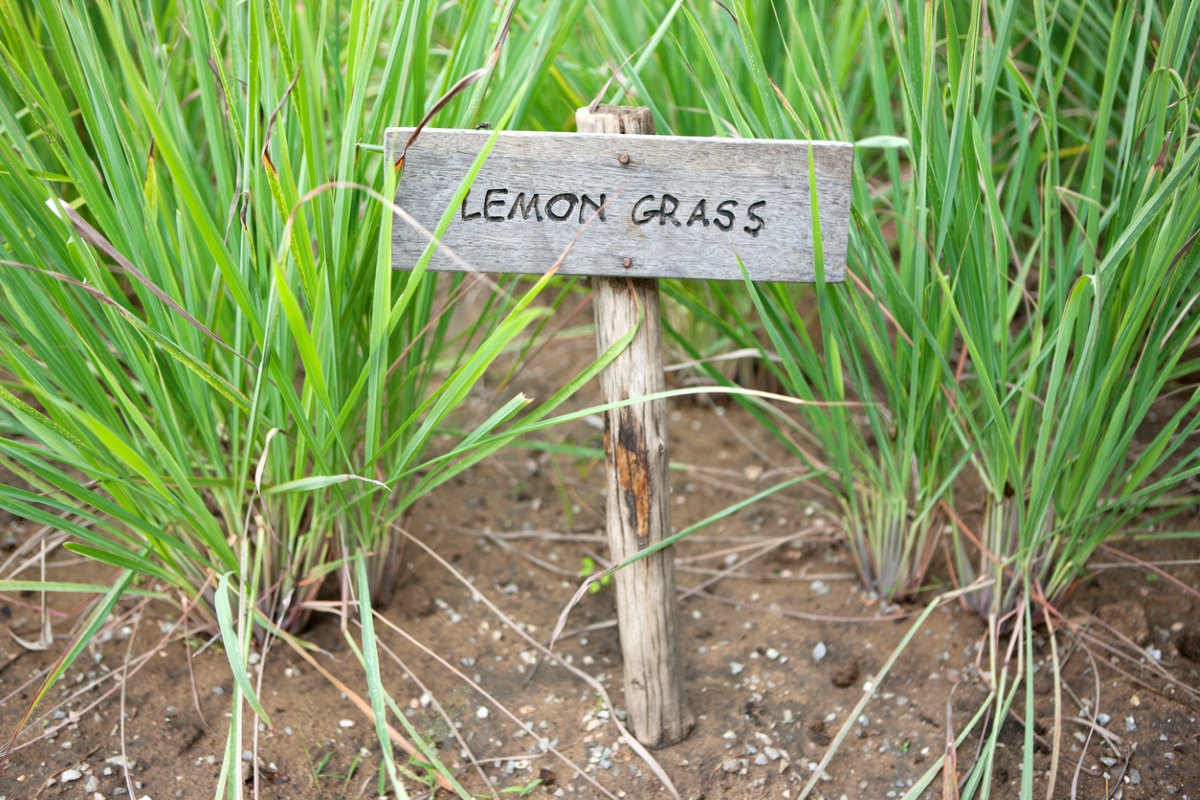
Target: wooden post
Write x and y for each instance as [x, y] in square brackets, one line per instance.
[639, 509]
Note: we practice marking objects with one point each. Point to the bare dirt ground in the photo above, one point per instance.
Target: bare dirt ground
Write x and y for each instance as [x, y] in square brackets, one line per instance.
[519, 528]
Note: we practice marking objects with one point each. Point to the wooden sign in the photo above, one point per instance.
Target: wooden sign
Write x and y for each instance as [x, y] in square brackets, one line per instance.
[638, 207]
[653, 207]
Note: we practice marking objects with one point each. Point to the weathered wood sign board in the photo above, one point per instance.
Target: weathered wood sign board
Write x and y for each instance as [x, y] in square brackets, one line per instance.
[663, 206]
[637, 207]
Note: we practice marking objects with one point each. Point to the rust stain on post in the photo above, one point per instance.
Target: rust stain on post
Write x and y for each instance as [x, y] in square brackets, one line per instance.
[632, 462]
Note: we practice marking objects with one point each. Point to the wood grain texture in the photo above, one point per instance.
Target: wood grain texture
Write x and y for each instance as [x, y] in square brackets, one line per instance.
[638, 506]
[701, 203]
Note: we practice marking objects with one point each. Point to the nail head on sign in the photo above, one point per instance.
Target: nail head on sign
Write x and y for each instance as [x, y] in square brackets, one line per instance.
[626, 262]
[623, 158]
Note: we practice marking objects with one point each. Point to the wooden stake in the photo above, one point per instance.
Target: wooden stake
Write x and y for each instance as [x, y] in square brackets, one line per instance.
[638, 509]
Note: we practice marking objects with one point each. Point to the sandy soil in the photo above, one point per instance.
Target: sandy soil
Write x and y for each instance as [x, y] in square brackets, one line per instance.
[519, 528]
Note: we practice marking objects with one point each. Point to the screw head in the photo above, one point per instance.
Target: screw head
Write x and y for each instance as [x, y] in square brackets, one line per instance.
[626, 262]
[623, 158]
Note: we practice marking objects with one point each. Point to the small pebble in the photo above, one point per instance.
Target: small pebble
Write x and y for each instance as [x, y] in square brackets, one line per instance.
[819, 651]
[735, 667]
[345, 723]
[1103, 719]
[1130, 725]
[70, 775]
[761, 759]
[772, 653]
[482, 712]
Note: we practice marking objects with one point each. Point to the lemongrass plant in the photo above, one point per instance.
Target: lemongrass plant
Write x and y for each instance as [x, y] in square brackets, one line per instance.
[1073, 283]
[211, 377]
[877, 415]
[1065, 367]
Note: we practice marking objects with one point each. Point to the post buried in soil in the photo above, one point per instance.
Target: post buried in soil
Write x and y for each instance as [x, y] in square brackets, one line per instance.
[638, 505]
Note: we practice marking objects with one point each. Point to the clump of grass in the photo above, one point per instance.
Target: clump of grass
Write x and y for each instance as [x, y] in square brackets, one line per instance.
[211, 376]
[1067, 367]
[1068, 269]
